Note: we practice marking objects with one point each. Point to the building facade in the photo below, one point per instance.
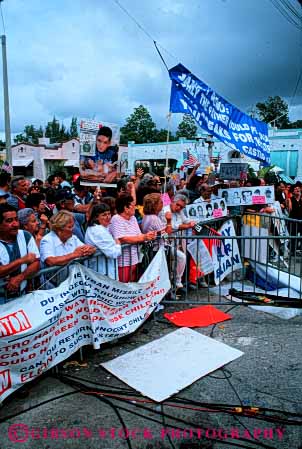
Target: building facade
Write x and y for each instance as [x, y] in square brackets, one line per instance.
[41, 160]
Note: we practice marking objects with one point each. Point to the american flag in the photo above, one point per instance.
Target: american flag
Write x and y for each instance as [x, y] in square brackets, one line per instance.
[210, 243]
[7, 167]
[190, 161]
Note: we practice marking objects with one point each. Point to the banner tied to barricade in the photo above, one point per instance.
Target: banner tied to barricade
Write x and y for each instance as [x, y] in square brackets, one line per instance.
[43, 328]
[226, 256]
[190, 95]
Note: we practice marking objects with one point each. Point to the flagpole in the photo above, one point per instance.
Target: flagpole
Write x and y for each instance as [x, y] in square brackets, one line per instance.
[6, 102]
[167, 147]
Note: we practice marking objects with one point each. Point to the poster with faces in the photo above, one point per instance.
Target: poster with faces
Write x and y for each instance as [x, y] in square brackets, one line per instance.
[247, 196]
[204, 211]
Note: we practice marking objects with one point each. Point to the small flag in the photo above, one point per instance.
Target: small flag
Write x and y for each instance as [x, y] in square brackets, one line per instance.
[190, 161]
[7, 167]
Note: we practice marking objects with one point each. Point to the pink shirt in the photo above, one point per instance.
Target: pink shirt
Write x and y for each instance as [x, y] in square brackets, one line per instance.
[120, 227]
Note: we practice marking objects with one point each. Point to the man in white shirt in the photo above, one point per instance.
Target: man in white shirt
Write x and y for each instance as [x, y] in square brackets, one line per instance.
[179, 222]
[19, 254]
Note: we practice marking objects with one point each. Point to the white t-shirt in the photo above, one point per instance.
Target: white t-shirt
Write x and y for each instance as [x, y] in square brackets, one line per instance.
[100, 237]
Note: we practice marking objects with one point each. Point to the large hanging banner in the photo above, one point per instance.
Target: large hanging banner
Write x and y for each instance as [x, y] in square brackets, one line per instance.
[98, 153]
[226, 257]
[41, 329]
[246, 196]
[189, 95]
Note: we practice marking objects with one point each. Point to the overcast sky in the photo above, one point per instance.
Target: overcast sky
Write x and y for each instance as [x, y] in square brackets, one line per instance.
[87, 58]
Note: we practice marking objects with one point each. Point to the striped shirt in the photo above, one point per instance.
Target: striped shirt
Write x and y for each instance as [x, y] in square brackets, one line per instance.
[120, 227]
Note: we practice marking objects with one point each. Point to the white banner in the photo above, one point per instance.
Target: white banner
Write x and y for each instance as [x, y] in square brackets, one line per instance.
[43, 328]
[226, 257]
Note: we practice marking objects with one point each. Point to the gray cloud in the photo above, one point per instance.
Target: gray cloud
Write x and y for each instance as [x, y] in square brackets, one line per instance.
[90, 59]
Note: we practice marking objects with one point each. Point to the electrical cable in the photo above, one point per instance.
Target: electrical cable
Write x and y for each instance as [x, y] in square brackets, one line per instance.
[284, 12]
[164, 425]
[177, 399]
[14, 415]
[166, 416]
[142, 28]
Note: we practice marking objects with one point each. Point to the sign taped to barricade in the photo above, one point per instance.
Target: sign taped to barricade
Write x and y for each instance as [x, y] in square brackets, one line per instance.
[226, 256]
[204, 210]
[246, 196]
[43, 328]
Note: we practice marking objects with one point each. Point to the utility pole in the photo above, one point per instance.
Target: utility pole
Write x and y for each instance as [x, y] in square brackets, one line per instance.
[6, 101]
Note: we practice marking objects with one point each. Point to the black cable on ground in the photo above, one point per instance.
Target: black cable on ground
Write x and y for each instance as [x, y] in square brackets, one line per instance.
[193, 425]
[14, 415]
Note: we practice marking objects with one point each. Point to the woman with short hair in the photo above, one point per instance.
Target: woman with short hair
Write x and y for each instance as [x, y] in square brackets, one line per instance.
[125, 228]
[60, 246]
[97, 234]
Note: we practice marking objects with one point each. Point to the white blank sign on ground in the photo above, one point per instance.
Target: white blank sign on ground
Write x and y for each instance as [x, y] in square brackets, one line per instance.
[165, 366]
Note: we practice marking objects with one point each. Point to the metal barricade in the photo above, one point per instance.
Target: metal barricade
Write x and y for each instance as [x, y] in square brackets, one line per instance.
[268, 248]
[271, 263]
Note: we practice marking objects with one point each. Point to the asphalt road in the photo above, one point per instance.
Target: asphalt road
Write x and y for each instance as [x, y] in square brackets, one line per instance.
[267, 376]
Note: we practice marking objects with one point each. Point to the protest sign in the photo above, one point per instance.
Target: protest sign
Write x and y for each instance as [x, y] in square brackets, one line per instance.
[204, 211]
[247, 196]
[43, 328]
[232, 171]
[226, 256]
[219, 118]
[98, 154]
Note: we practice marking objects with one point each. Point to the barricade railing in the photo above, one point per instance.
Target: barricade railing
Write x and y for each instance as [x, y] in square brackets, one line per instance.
[262, 257]
[137, 256]
[270, 263]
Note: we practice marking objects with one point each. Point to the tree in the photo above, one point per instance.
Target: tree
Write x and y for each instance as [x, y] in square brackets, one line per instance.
[52, 130]
[187, 127]
[274, 110]
[30, 135]
[160, 135]
[297, 124]
[139, 127]
[73, 131]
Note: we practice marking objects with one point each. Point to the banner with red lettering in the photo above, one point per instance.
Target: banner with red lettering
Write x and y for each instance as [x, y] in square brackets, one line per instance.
[43, 328]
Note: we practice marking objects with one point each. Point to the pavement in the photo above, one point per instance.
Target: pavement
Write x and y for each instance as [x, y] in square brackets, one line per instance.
[267, 376]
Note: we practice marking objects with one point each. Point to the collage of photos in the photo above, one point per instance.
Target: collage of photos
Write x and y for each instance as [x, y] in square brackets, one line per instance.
[247, 196]
[204, 210]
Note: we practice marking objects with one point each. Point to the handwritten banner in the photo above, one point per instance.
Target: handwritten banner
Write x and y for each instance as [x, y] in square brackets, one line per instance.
[41, 329]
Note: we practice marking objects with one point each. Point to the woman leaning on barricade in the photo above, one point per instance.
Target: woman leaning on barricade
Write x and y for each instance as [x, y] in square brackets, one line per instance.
[153, 205]
[125, 228]
[98, 235]
[60, 246]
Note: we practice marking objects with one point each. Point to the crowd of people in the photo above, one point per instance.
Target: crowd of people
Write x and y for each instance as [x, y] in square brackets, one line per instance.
[51, 223]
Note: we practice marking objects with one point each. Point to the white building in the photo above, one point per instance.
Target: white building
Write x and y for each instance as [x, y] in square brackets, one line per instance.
[43, 159]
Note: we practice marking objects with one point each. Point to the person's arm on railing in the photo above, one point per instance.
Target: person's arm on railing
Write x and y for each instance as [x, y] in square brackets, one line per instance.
[81, 251]
[151, 235]
[14, 282]
[11, 267]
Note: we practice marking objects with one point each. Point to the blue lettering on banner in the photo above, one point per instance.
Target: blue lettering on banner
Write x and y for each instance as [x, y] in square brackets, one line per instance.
[213, 113]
